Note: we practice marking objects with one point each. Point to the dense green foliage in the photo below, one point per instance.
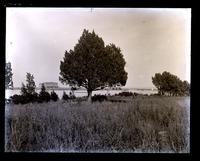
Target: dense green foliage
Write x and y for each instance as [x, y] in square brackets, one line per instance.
[93, 65]
[169, 84]
[8, 76]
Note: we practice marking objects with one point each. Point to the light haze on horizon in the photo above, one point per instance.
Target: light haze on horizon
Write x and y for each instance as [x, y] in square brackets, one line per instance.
[151, 40]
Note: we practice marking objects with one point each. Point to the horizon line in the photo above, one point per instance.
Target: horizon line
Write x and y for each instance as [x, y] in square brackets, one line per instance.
[82, 88]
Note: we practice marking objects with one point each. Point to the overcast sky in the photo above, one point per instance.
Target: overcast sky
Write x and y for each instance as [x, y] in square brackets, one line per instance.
[151, 40]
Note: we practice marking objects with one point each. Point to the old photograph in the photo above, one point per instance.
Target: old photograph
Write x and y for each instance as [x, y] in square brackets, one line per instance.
[97, 80]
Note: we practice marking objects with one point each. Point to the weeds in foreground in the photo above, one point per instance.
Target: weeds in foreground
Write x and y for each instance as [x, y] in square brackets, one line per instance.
[145, 125]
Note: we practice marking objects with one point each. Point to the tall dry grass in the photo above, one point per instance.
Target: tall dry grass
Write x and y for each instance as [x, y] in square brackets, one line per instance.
[141, 125]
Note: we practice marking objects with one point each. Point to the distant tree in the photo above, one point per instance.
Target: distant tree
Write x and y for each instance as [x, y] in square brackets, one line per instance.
[24, 97]
[28, 93]
[93, 65]
[30, 86]
[65, 96]
[44, 96]
[24, 90]
[157, 81]
[185, 88]
[8, 76]
[54, 96]
[169, 84]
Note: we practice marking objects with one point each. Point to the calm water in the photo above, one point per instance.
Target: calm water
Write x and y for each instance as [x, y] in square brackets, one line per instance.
[81, 93]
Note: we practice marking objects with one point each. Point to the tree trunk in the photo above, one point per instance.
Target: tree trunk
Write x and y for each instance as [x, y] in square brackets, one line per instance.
[89, 96]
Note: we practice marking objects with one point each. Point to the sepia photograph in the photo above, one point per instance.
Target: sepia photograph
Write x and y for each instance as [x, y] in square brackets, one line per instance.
[97, 80]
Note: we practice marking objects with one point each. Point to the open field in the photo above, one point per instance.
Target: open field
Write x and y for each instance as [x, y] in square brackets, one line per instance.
[143, 124]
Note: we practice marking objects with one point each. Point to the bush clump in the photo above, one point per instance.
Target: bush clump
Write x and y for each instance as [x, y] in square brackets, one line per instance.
[16, 99]
[99, 98]
[126, 94]
[65, 96]
[54, 96]
[44, 96]
[23, 99]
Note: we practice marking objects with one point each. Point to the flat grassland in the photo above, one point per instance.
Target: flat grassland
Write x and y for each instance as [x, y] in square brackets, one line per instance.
[143, 124]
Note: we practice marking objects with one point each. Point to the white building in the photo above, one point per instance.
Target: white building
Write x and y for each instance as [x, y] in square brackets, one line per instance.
[49, 85]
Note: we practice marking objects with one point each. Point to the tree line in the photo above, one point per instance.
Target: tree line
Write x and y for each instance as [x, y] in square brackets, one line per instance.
[28, 93]
[93, 65]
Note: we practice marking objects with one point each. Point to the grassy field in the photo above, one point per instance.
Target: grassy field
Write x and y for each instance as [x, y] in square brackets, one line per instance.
[147, 124]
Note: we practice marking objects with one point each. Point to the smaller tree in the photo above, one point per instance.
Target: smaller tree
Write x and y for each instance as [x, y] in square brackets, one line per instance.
[169, 84]
[54, 96]
[29, 89]
[28, 93]
[30, 86]
[24, 90]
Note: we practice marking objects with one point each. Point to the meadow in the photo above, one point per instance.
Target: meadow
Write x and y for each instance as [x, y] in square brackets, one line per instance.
[140, 124]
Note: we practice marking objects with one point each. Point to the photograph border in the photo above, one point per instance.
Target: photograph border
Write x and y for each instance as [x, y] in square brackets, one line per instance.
[94, 156]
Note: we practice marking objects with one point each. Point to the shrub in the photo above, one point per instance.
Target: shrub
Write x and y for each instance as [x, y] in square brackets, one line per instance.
[99, 98]
[135, 94]
[71, 95]
[54, 96]
[126, 94]
[23, 99]
[30, 98]
[16, 99]
[65, 96]
[44, 97]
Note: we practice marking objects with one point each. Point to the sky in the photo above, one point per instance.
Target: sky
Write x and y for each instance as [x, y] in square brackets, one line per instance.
[151, 40]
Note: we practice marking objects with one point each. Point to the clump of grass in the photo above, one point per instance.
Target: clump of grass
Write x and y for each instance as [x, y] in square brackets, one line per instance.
[146, 125]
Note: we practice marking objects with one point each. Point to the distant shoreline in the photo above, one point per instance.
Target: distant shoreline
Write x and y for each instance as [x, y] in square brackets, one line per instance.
[67, 88]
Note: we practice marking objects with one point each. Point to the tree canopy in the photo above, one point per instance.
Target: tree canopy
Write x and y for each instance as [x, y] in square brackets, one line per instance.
[93, 65]
[169, 84]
